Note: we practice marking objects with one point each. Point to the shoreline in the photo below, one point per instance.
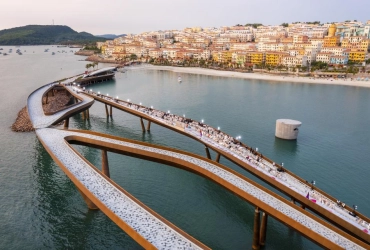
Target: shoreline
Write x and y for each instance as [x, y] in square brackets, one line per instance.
[256, 76]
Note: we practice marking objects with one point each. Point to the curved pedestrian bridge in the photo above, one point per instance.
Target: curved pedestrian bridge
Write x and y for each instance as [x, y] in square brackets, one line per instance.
[142, 224]
[252, 161]
[124, 210]
[36, 112]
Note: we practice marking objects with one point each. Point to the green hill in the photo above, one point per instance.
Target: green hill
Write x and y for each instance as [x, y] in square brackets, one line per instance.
[45, 35]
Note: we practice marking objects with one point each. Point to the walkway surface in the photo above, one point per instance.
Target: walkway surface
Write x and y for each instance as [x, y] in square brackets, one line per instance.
[144, 222]
[210, 137]
[36, 111]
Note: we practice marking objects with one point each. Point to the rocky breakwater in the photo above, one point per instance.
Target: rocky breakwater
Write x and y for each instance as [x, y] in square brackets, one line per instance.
[84, 52]
[95, 58]
[23, 122]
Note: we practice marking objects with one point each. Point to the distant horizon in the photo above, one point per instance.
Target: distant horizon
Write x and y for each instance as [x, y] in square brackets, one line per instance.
[243, 24]
[133, 17]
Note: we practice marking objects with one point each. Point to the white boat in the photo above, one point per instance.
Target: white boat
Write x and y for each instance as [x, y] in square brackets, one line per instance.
[179, 79]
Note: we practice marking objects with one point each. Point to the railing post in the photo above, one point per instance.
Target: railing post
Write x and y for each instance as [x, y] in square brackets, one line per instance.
[142, 124]
[218, 157]
[148, 126]
[256, 230]
[66, 123]
[208, 153]
[105, 165]
[263, 229]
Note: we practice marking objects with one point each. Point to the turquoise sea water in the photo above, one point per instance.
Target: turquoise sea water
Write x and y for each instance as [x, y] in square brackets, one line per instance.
[41, 209]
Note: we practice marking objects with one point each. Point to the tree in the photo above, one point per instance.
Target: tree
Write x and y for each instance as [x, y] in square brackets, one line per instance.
[133, 57]
[284, 24]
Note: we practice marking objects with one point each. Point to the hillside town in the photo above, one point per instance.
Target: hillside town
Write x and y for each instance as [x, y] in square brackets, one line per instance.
[295, 47]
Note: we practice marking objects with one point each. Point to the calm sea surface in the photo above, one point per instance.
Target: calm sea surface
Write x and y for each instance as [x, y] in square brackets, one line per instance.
[40, 207]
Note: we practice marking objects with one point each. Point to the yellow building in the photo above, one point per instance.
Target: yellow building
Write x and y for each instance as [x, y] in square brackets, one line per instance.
[331, 41]
[255, 57]
[332, 30]
[226, 56]
[357, 56]
[103, 48]
[216, 56]
[274, 58]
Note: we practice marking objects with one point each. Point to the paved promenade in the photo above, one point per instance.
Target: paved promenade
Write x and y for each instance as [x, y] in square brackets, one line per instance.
[144, 222]
[36, 111]
[214, 137]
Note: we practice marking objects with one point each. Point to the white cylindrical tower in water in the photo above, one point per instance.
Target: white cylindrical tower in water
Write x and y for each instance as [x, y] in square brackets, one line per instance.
[287, 129]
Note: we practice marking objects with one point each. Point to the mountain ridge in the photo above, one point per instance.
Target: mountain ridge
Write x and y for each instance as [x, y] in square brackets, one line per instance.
[45, 35]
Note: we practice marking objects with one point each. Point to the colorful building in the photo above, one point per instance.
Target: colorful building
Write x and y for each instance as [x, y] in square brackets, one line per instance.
[357, 56]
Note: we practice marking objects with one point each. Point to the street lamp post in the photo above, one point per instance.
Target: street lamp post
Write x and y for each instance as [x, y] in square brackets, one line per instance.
[312, 184]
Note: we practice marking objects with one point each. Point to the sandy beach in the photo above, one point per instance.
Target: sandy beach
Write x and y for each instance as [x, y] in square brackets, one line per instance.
[257, 76]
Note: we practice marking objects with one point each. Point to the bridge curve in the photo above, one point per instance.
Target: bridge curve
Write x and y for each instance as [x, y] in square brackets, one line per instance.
[36, 112]
[162, 233]
[100, 188]
[286, 182]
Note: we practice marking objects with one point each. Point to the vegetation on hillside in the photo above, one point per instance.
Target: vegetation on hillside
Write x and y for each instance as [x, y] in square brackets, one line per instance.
[45, 35]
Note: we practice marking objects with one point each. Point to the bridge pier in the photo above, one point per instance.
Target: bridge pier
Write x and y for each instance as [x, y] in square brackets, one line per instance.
[263, 229]
[111, 110]
[218, 157]
[88, 114]
[148, 126]
[104, 163]
[66, 123]
[256, 230]
[142, 124]
[91, 205]
[207, 152]
[106, 110]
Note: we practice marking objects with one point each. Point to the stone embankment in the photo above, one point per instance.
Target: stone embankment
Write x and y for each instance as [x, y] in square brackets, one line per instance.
[23, 122]
[85, 53]
[95, 58]
[55, 103]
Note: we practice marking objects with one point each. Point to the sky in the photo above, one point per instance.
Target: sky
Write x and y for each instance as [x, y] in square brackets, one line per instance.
[135, 16]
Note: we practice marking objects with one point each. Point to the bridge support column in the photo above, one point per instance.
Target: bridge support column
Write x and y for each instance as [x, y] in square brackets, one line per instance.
[293, 200]
[66, 123]
[256, 230]
[148, 126]
[208, 153]
[89, 203]
[106, 110]
[303, 206]
[88, 114]
[104, 163]
[263, 229]
[83, 115]
[111, 110]
[142, 124]
[218, 157]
